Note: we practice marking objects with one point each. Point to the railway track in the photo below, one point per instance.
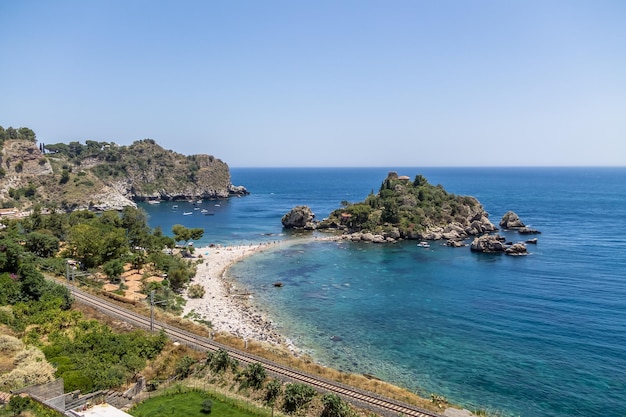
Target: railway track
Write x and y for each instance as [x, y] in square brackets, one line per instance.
[374, 402]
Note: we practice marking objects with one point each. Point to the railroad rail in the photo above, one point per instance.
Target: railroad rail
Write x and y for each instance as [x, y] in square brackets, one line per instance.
[361, 398]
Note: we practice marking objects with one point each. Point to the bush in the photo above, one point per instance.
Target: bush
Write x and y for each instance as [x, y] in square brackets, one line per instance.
[32, 369]
[207, 406]
[9, 343]
[273, 391]
[220, 361]
[17, 404]
[297, 396]
[184, 366]
[255, 375]
[196, 291]
[334, 406]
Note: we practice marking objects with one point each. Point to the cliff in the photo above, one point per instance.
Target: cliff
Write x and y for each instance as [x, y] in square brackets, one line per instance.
[102, 176]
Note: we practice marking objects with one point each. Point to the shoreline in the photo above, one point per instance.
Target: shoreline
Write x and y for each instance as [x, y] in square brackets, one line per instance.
[228, 307]
[225, 305]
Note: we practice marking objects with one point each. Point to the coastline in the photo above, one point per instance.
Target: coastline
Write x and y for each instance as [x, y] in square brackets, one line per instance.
[227, 306]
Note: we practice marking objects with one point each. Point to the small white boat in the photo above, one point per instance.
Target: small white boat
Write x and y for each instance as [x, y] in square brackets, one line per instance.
[423, 245]
[175, 206]
[187, 213]
[204, 211]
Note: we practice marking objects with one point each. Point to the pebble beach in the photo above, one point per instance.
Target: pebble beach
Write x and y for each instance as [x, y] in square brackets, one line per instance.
[226, 306]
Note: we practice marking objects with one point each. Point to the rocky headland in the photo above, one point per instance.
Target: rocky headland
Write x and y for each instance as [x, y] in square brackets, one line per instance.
[105, 176]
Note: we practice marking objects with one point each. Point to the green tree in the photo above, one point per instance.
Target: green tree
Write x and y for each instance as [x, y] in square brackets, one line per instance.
[17, 404]
[391, 213]
[10, 254]
[297, 396]
[272, 392]
[219, 361]
[420, 180]
[334, 406]
[135, 221]
[65, 176]
[255, 375]
[113, 268]
[43, 245]
[93, 243]
[25, 133]
[10, 289]
[33, 282]
[184, 366]
[11, 133]
[182, 233]
[360, 213]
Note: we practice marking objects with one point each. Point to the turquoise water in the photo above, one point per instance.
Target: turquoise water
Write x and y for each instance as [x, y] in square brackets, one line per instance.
[543, 335]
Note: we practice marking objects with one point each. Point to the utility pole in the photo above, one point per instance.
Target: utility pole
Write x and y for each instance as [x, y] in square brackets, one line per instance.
[152, 303]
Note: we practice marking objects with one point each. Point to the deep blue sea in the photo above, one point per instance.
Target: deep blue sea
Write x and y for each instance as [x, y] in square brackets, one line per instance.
[542, 335]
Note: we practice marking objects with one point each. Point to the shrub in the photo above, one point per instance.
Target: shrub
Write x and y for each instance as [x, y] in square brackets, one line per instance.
[255, 375]
[17, 404]
[184, 366]
[9, 343]
[32, 369]
[334, 406]
[196, 291]
[273, 391]
[297, 396]
[220, 361]
[207, 406]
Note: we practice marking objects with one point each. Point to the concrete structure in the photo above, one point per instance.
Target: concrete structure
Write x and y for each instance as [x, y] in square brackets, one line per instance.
[98, 410]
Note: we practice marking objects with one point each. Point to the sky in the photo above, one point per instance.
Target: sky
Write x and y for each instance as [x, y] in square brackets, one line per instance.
[340, 83]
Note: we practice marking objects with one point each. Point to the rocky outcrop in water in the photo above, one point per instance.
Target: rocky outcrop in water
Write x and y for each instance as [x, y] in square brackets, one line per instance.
[497, 244]
[299, 217]
[511, 220]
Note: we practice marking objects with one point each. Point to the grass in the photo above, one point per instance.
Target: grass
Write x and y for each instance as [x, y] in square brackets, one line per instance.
[182, 402]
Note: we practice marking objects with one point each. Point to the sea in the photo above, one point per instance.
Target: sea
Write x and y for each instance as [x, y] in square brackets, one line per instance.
[540, 335]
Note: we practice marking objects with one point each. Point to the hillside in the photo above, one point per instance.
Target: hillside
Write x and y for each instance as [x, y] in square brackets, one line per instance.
[102, 175]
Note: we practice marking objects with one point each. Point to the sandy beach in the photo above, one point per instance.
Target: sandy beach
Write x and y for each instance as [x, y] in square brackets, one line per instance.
[226, 306]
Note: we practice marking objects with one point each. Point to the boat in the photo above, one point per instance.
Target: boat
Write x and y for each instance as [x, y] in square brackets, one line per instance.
[154, 202]
[187, 213]
[423, 245]
[175, 206]
[204, 211]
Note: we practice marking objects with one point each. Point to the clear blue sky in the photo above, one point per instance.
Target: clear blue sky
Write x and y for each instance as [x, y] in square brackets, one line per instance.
[324, 83]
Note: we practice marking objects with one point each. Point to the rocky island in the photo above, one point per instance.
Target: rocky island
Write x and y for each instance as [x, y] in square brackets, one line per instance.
[414, 209]
[103, 175]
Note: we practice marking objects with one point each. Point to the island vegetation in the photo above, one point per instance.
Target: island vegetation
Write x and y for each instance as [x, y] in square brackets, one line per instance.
[402, 209]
